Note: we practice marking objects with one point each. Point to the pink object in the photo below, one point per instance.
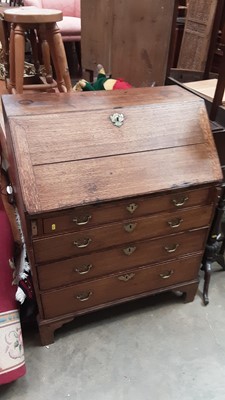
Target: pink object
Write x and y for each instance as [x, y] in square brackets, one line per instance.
[12, 364]
[70, 26]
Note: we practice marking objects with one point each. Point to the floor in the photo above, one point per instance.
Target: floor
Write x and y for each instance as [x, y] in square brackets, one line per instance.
[153, 349]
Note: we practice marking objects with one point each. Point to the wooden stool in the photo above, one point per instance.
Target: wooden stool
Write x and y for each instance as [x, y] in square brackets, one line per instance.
[42, 27]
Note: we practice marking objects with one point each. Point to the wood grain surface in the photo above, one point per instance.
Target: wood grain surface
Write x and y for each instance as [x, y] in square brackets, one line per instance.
[106, 236]
[36, 103]
[197, 33]
[67, 160]
[110, 288]
[114, 260]
[96, 25]
[141, 39]
[111, 214]
[130, 38]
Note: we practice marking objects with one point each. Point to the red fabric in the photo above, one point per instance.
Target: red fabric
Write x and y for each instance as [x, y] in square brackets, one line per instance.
[8, 308]
[121, 84]
[7, 291]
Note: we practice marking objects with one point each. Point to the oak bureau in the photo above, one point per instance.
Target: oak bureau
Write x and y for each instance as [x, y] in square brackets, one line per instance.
[116, 193]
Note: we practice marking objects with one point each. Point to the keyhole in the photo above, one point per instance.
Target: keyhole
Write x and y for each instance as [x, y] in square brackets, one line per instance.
[132, 207]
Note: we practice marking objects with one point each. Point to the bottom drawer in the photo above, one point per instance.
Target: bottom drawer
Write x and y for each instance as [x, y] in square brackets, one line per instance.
[113, 288]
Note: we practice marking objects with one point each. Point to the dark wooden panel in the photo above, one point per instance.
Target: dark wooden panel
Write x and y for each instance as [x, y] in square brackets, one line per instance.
[101, 178]
[145, 128]
[37, 104]
[197, 33]
[103, 171]
[93, 265]
[78, 243]
[108, 178]
[219, 138]
[99, 214]
[141, 39]
[126, 36]
[96, 26]
[111, 288]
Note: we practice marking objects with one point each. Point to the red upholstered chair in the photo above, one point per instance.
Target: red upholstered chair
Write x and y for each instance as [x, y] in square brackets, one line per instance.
[70, 26]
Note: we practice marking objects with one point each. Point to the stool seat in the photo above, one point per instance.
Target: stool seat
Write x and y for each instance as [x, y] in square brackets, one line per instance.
[40, 26]
[32, 15]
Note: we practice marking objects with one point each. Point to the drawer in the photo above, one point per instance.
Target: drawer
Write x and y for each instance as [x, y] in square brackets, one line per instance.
[99, 292]
[83, 217]
[68, 245]
[100, 263]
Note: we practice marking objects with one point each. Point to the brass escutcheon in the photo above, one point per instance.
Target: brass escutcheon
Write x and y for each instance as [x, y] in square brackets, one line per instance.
[129, 250]
[130, 227]
[117, 119]
[126, 278]
[132, 207]
[34, 228]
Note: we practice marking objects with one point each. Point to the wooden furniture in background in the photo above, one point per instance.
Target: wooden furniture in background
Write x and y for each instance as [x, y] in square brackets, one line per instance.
[42, 22]
[70, 25]
[220, 86]
[212, 91]
[127, 38]
[197, 34]
[111, 206]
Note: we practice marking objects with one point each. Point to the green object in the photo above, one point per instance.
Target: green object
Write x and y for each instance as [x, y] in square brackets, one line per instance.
[98, 85]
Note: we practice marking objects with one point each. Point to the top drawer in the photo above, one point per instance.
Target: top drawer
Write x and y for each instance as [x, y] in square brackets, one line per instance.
[84, 217]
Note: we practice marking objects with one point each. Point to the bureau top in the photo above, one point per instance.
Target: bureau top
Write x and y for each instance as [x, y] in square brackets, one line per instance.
[67, 152]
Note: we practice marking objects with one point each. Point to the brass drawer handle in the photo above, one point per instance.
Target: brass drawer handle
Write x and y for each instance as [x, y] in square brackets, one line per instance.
[167, 275]
[84, 296]
[130, 227]
[180, 202]
[126, 278]
[129, 250]
[84, 269]
[132, 207]
[171, 249]
[174, 223]
[81, 245]
[82, 221]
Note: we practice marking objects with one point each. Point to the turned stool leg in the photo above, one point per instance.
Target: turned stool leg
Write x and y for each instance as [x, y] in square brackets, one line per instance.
[45, 54]
[34, 46]
[11, 85]
[19, 57]
[59, 58]
[4, 38]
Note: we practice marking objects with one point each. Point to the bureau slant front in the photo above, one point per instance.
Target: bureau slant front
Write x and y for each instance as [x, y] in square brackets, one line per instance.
[116, 193]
